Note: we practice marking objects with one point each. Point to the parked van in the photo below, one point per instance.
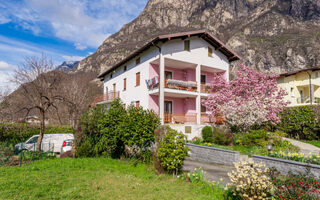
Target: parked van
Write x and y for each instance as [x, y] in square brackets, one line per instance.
[50, 142]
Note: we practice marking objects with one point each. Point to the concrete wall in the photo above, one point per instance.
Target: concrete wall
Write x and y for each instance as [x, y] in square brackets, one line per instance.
[213, 155]
[284, 166]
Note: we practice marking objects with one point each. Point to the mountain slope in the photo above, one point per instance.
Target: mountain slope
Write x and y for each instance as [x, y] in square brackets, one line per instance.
[272, 35]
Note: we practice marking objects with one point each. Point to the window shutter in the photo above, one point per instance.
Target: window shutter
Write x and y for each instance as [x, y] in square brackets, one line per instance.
[124, 84]
[209, 51]
[138, 79]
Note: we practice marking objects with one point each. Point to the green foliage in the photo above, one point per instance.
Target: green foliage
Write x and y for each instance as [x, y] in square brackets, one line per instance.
[196, 176]
[258, 138]
[222, 136]
[300, 123]
[109, 130]
[111, 139]
[172, 150]
[312, 159]
[138, 129]
[85, 149]
[207, 134]
[14, 133]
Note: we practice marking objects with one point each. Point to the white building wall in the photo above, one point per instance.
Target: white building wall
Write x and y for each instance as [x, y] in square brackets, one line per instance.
[173, 49]
[133, 93]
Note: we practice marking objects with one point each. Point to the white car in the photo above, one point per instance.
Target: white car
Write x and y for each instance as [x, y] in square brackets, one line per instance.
[50, 142]
[66, 146]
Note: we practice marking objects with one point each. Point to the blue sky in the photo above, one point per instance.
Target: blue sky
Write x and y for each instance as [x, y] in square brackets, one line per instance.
[61, 29]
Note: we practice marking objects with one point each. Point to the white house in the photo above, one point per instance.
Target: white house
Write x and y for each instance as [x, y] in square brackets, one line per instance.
[171, 74]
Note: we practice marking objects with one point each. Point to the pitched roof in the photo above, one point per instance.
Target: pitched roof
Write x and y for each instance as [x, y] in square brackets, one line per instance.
[298, 71]
[216, 43]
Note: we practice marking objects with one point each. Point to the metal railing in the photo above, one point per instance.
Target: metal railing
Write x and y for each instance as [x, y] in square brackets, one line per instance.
[205, 88]
[306, 99]
[26, 153]
[106, 98]
[181, 85]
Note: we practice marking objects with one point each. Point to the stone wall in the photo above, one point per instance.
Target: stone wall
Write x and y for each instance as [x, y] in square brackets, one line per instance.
[213, 155]
[284, 166]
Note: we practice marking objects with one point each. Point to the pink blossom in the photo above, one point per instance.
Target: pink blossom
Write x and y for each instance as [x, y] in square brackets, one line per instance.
[252, 98]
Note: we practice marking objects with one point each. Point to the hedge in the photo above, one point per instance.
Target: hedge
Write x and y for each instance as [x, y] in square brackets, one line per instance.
[300, 122]
[14, 133]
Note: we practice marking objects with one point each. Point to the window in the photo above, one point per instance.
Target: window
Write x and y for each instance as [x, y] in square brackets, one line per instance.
[316, 75]
[114, 87]
[137, 104]
[138, 61]
[291, 91]
[138, 79]
[209, 51]
[33, 140]
[125, 68]
[187, 45]
[203, 109]
[203, 79]
[111, 75]
[124, 84]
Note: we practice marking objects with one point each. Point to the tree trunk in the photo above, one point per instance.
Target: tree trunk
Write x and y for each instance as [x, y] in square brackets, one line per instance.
[42, 127]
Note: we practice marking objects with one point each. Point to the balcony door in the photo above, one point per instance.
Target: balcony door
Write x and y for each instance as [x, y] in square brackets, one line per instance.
[302, 96]
[167, 111]
[168, 75]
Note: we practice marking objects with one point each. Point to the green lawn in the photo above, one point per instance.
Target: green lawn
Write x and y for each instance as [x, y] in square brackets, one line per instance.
[96, 178]
[313, 142]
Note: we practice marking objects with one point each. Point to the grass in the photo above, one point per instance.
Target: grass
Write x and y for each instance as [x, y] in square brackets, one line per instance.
[313, 142]
[96, 178]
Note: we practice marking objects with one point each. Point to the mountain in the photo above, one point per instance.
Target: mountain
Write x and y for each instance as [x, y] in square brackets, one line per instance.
[68, 65]
[270, 35]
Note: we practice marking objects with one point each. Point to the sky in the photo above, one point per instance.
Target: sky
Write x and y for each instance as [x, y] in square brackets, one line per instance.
[63, 30]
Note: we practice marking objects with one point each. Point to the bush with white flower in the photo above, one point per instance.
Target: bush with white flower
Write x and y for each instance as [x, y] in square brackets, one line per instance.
[172, 150]
[250, 181]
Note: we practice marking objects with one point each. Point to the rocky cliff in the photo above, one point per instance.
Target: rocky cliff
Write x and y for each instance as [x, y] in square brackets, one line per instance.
[271, 35]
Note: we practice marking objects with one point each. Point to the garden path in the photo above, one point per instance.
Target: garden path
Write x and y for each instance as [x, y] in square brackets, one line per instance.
[212, 172]
[305, 148]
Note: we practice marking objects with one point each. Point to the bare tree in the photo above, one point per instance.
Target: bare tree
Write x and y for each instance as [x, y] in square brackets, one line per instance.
[78, 91]
[38, 89]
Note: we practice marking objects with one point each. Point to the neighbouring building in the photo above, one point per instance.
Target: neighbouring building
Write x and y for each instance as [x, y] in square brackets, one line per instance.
[303, 86]
[171, 74]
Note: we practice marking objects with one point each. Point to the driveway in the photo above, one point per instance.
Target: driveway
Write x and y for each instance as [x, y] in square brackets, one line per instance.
[212, 172]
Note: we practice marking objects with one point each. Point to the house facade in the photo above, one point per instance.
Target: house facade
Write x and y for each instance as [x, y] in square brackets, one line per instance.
[170, 75]
[302, 87]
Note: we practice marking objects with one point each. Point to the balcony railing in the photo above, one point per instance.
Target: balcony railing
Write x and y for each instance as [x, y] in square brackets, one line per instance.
[106, 98]
[205, 88]
[181, 85]
[306, 100]
[179, 118]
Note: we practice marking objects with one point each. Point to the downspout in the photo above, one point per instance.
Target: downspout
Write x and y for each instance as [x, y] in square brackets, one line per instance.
[160, 51]
[310, 89]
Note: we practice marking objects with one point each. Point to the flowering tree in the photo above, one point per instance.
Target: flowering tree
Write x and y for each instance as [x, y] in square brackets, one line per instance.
[252, 98]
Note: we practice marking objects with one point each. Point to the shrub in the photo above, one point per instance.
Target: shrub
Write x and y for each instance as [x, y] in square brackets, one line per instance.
[110, 130]
[300, 123]
[172, 150]
[85, 149]
[250, 181]
[207, 135]
[138, 129]
[13, 133]
[259, 138]
[196, 176]
[111, 140]
[295, 186]
[222, 136]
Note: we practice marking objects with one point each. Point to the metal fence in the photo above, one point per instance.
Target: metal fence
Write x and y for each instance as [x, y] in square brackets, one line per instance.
[26, 153]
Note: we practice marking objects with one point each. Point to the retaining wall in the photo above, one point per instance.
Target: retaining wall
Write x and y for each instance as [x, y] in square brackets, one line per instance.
[284, 166]
[213, 155]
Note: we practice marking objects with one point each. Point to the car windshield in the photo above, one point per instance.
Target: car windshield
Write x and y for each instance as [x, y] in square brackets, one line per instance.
[69, 143]
[33, 140]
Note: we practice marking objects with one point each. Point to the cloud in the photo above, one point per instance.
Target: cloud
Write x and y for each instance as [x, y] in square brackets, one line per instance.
[86, 23]
[73, 58]
[6, 67]
[6, 74]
